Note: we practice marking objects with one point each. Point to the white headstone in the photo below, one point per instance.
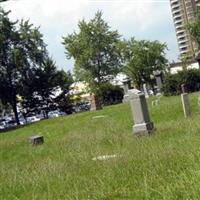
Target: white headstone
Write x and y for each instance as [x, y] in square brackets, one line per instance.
[145, 90]
[142, 122]
[186, 105]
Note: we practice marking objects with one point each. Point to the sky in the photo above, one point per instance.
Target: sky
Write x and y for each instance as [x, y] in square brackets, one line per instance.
[142, 19]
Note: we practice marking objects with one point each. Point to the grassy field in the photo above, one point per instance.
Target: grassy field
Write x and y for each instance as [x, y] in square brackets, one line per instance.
[165, 165]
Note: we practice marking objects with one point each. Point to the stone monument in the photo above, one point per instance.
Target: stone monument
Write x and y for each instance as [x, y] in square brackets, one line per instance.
[185, 101]
[142, 122]
[36, 139]
[95, 103]
[126, 87]
[158, 77]
[145, 90]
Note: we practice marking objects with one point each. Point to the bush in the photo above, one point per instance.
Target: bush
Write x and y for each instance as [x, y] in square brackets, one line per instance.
[172, 83]
[111, 94]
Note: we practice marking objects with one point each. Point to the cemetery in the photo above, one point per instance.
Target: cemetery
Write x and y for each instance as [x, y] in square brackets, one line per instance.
[96, 155]
[93, 111]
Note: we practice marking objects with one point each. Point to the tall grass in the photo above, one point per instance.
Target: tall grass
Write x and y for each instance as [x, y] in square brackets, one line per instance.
[165, 165]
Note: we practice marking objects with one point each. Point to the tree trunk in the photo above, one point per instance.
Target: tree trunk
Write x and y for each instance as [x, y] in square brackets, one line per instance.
[99, 96]
[14, 107]
[46, 114]
[13, 101]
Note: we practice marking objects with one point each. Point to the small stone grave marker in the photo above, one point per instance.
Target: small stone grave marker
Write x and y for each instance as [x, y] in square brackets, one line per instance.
[155, 102]
[126, 87]
[105, 157]
[36, 139]
[185, 101]
[145, 90]
[99, 116]
[95, 103]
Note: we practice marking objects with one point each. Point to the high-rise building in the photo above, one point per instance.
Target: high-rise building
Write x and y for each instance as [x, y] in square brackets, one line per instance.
[183, 12]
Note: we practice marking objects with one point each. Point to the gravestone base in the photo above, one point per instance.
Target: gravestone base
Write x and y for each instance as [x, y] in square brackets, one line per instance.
[126, 98]
[144, 128]
[36, 139]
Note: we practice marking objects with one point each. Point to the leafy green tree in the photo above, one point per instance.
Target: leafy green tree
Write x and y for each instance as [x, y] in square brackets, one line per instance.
[8, 67]
[142, 57]
[21, 50]
[47, 90]
[95, 49]
[111, 94]
[173, 82]
[184, 59]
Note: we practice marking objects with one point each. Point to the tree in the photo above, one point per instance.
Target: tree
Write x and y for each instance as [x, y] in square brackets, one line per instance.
[111, 94]
[95, 51]
[194, 27]
[184, 59]
[64, 81]
[47, 90]
[142, 58]
[21, 50]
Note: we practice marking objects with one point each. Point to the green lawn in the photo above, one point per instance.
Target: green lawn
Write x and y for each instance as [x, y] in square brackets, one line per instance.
[165, 165]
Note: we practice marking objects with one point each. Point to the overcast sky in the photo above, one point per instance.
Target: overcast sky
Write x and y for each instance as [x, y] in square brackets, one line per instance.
[142, 19]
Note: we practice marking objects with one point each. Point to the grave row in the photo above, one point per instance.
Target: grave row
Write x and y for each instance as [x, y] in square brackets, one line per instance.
[142, 122]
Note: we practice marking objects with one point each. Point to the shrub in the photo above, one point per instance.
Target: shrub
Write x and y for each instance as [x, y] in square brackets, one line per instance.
[111, 94]
[172, 83]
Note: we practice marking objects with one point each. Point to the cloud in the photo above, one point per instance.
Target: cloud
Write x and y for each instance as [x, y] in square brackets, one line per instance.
[139, 18]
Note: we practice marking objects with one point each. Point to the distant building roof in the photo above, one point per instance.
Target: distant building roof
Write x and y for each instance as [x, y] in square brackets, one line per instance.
[178, 66]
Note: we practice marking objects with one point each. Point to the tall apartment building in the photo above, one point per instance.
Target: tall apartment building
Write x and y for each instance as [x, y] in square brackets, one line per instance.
[183, 11]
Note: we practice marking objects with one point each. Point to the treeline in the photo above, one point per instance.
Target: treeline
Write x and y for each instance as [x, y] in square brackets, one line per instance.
[27, 72]
[101, 53]
[172, 83]
[189, 77]
[29, 75]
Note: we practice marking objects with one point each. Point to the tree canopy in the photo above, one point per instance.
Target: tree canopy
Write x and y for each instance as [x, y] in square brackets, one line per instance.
[95, 49]
[26, 70]
[142, 58]
[44, 91]
[21, 49]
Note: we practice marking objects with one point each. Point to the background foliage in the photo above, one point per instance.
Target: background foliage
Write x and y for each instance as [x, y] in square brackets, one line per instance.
[172, 82]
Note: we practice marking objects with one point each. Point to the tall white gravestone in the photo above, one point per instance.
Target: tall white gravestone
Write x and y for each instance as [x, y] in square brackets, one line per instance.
[126, 87]
[142, 122]
[145, 90]
[185, 101]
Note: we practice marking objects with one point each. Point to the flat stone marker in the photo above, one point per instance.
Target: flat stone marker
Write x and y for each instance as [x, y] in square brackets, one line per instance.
[36, 139]
[105, 157]
[185, 101]
[99, 116]
[140, 113]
